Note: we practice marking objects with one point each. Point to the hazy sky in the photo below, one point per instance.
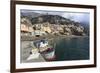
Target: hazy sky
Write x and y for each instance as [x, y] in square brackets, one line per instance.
[76, 16]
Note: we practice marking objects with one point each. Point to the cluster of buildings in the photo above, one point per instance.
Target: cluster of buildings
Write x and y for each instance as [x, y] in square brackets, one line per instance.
[40, 29]
[26, 27]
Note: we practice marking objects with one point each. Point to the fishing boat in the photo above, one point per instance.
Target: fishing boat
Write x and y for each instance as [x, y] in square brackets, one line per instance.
[46, 50]
[42, 47]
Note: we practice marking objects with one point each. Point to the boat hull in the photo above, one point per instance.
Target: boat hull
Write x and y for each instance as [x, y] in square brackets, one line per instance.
[49, 56]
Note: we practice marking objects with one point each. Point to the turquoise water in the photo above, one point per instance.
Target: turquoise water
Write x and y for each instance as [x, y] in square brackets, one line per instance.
[72, 48]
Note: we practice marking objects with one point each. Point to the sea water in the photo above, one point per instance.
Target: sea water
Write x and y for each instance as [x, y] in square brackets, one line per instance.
[76, 48]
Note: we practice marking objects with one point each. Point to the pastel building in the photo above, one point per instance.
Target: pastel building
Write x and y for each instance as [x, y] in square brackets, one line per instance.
[26, 27]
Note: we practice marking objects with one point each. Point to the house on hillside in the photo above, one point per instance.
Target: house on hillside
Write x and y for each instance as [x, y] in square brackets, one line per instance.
[26, 27]
[46, 29]
[37, 30]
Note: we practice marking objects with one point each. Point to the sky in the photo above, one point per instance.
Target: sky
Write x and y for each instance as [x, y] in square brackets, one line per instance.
[75, 16]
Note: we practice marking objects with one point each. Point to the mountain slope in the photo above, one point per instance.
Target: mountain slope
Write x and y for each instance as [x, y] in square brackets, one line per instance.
[53, 19]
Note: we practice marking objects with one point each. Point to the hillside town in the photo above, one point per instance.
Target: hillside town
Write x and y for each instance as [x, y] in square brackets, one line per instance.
[45, 28]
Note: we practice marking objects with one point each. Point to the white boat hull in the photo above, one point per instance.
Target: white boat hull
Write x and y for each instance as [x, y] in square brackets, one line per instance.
[49, 56]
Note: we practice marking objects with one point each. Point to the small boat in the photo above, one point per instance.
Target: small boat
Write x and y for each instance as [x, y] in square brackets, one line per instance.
[47, 51]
